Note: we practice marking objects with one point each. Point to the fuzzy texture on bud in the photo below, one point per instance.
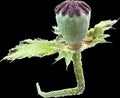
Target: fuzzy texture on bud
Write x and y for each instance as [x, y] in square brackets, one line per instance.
[73, 18]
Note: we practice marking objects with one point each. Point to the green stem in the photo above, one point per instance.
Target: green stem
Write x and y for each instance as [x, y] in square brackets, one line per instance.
[78, 70]
[69, 91]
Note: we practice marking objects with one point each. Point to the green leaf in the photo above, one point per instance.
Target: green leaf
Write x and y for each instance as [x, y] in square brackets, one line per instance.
[33, 48]
[59, 37]
[60, 56]
[56, 30]
[97, 33]
[65, 54]
[68, 58]
[101, 27]
[99, 40]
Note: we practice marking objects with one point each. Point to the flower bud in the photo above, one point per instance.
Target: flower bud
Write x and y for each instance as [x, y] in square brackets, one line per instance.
[73, 18]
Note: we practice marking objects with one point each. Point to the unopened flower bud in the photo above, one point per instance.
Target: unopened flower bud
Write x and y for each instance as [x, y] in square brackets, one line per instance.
[73, 18]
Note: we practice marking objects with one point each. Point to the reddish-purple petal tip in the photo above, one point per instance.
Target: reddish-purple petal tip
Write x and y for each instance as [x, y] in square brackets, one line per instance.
[72, 7]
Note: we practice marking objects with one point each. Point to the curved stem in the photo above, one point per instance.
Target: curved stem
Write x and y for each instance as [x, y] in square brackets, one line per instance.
[69, 91]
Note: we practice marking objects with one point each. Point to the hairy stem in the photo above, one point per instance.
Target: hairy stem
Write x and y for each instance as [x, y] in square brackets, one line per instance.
[69, 91]
[78, 70]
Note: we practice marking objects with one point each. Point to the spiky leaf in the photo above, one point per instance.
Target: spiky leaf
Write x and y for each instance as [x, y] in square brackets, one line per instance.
[56, 30]
[33, 48]
[97, 33]
[65, 54]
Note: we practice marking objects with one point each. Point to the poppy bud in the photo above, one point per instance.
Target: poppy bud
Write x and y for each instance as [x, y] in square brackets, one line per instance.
[73, 18]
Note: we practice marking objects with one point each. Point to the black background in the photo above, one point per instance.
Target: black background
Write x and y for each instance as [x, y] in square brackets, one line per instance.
[33, 19]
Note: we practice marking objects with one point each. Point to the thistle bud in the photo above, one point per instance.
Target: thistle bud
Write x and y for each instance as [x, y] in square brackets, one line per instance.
[73, 18]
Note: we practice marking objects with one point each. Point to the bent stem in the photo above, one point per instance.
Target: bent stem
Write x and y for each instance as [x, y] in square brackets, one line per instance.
[69, 91]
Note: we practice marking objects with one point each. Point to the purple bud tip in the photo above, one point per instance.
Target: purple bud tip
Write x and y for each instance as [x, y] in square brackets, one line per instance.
[72, 7]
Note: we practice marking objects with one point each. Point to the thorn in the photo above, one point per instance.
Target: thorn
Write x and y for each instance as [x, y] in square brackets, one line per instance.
[113, 28]
[118, 19]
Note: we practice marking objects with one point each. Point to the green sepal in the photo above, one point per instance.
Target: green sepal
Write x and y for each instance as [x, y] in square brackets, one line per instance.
[33, 48]
[67, 55]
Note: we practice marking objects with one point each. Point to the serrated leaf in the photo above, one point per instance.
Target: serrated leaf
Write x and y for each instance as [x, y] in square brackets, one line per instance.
[101, 27]
[65, 54]
[99, 40]
[68, 58]
[60, 56]
[59, 37]
[56, 30]
[33, 48]
[97, 33]
[106, 35]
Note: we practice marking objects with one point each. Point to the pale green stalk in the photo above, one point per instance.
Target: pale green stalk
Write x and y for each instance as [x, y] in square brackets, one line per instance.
[69, 91]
